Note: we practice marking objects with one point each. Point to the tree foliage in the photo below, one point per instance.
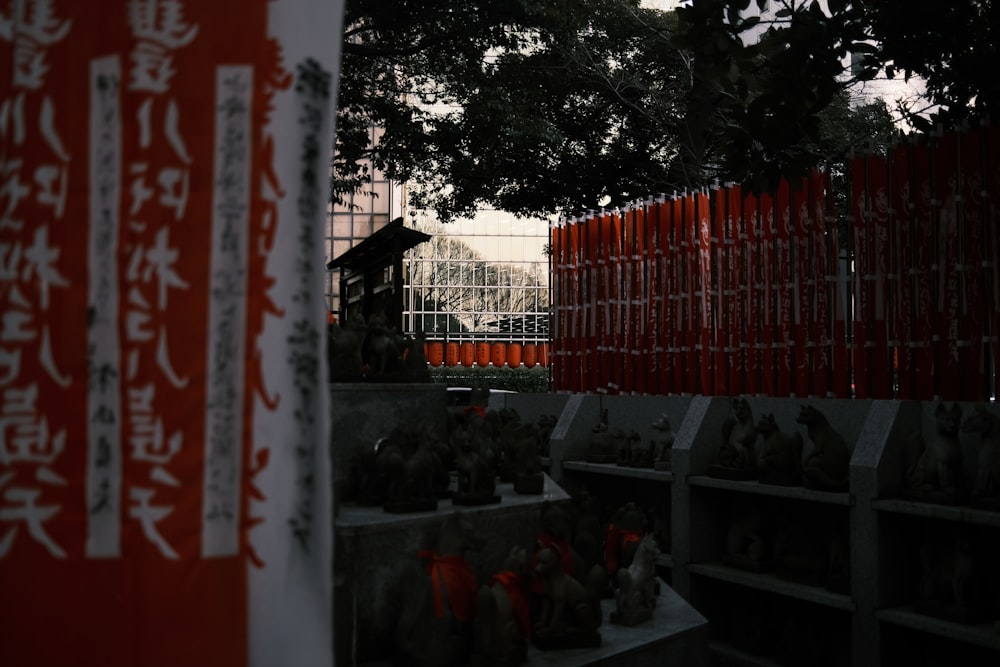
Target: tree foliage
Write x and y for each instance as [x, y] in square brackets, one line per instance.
[544, 106]
[769, 90]
[530, 106]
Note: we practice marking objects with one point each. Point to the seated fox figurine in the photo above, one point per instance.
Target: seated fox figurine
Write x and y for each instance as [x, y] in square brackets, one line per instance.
[503, 615]
[437, 602]
[780, 459]
[635, 597]
[665, 443]
[936, 474]
[827, 466]
[570, 612]
[736, 459]
[986, 487]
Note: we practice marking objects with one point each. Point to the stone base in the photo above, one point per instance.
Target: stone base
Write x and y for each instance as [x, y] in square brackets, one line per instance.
[736, 474]
[375, 549]
[474, 499]
[675, 635]
[568, 640]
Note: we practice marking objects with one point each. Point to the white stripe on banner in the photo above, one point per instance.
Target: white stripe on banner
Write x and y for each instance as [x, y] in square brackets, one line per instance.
[295, 540]
[104, 447]
[227, 318]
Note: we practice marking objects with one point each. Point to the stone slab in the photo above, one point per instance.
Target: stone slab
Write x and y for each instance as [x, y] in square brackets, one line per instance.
[676, 635]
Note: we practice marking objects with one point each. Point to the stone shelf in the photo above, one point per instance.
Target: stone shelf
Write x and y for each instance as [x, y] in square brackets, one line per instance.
[676, 635]
[374, 547]
[755, 487]
[773, 584]
[955, 513]
[728, 655]
[619, 471]
[354, 519]
[982, 634]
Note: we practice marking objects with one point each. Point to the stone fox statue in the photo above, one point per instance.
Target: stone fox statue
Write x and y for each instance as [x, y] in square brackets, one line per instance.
[739, 433]
[938, 468]
[828, 465]
[635, 597]
[568, 605]
[780, 460]
[503, 614]
[437, 603]
[986, 487]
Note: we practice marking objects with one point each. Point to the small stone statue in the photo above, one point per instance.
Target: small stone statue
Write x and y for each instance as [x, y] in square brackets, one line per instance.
[986, 487]
[748, 540]
[936, 474]
[665, 444]
[780, 460]
[503, 615]
[476, 480]
[635, 597]
[521, 463]
[437, 605]
[546, 424]
[570, 612]
[344, 351]
[736, 459]
[827, 466]
[624, 532]
[630, 453]
[953, 583]
[604, 445]
[410, 461]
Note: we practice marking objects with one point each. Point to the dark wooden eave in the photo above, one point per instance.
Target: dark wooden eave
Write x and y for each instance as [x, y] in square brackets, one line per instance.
[393, 238]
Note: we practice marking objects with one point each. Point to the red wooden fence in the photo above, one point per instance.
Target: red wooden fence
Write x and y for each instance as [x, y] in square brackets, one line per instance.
[883, 287]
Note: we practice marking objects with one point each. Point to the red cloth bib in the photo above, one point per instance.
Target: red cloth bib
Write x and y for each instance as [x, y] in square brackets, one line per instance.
[459, 582]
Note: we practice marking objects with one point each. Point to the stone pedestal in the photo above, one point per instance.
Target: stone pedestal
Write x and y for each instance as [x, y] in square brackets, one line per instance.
[363, 412]
[374, 549]
[676, 635]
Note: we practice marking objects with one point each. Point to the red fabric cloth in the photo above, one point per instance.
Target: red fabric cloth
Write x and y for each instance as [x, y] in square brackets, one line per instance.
[617, 540]
[459, 582]
[511, 583]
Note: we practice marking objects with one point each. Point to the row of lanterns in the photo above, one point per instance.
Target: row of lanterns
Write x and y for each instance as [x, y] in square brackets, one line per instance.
[484, 353]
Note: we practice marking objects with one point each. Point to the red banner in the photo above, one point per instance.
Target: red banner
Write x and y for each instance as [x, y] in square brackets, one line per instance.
[701, 294]
[769, 297]
[951, 351]
[991, 217]
[150, 153]
[721, 332]
[560, 335]
[784, 343]
[923, 277]
[822, 266]
[801, 284]
[576, 377]
[972, 316]
[862, 277]
[752, 293]
[643, 269]
[903, 233]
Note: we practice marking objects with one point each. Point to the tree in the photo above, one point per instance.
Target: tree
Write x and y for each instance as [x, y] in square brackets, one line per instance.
[554, 106]
[766, 93]
[529, 106]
